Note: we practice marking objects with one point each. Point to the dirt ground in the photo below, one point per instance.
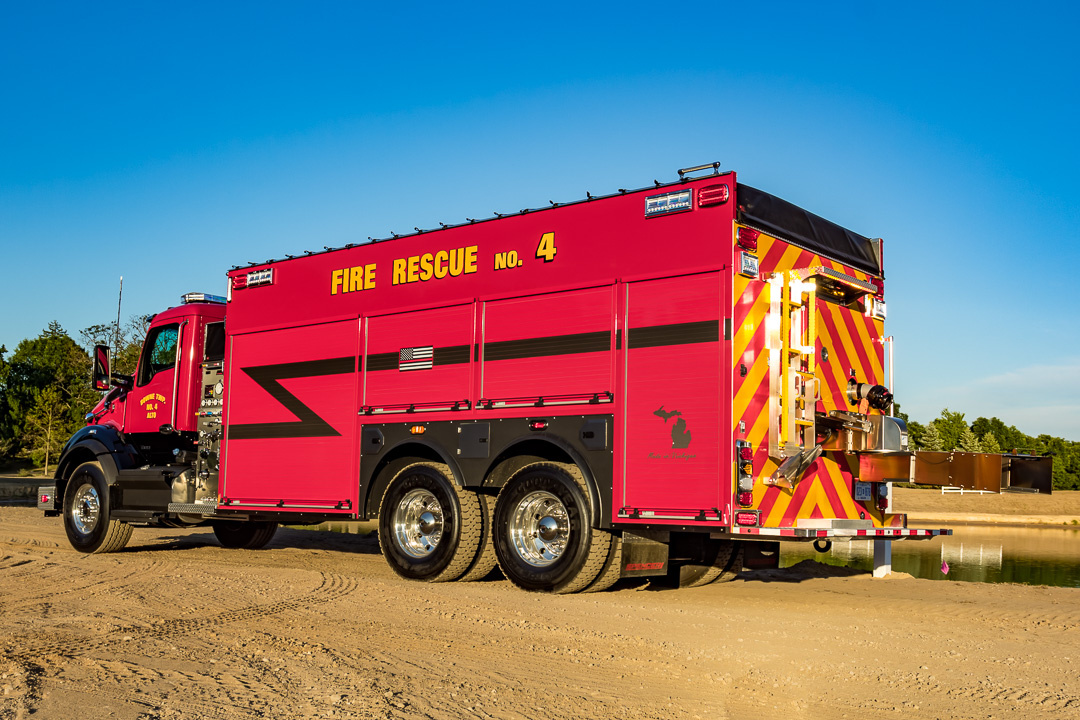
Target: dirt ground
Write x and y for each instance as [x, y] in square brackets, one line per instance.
[928, 506]
[317, 626]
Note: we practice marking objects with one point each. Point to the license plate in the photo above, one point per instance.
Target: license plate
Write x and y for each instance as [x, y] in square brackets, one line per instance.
[863, 492]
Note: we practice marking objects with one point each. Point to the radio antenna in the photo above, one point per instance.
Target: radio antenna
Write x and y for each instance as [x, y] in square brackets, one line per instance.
[119, 301]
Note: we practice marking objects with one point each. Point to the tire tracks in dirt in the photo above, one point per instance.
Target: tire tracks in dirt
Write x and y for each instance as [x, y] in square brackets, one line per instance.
[332, 587]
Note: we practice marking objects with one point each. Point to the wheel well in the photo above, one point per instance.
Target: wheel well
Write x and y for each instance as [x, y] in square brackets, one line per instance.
[74, 459]
[394, 462]
[518, 455]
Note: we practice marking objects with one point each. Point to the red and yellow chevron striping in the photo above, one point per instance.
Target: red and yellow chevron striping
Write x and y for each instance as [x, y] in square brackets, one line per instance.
[848, 346]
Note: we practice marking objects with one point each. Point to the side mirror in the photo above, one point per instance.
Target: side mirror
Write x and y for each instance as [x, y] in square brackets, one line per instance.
[101, 377]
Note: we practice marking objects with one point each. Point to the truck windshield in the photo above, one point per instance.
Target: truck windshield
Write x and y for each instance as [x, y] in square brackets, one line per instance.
[159, 352]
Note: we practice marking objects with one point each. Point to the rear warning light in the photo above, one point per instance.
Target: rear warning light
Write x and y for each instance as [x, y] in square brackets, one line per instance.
[880, 285]
[746, 498]
[713, 195]
[744, 468]
[747, 239]
[746, 518]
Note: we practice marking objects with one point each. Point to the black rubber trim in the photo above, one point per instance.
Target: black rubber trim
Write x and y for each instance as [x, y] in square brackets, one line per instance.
[309, 424]
[452, 355]
[675, 334]
[381, 361]
[544, 346]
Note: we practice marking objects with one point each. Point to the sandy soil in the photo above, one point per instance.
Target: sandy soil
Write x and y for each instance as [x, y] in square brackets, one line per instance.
[317, 626]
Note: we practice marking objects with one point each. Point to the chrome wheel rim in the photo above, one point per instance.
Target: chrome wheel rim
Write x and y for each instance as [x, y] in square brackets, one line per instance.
[86, 509]
[418, 523]
[540, 529]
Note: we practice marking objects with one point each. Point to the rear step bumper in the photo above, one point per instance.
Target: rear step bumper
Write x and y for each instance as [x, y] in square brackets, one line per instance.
[872, 533]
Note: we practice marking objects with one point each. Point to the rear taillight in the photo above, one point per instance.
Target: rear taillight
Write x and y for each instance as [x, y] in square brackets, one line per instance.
[746, 499]
[713, 195]
[744, 467]
[747, 239]
[883, 497]
[746, 518]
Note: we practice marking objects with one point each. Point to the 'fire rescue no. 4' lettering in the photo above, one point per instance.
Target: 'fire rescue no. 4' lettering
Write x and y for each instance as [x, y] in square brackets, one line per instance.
[421, 268]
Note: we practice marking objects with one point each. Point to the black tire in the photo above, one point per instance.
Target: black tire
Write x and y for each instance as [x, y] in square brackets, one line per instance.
[87, 521]
[429, 528]
[242, 534]
[544, 539]
[612, 570]
[485, 556]
[722, 563]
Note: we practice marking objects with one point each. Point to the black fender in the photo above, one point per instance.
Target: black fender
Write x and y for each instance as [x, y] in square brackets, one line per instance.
[486, 459]
[102, 443]
[395, 457]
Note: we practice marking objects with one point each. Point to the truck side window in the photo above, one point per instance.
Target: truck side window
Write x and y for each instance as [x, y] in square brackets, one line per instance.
[159, 352]
[214, 347]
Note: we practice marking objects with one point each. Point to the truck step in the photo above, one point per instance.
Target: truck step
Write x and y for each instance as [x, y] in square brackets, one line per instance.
[198, 508]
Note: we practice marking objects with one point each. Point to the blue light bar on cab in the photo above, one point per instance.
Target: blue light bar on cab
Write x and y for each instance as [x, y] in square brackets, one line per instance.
[201, 298]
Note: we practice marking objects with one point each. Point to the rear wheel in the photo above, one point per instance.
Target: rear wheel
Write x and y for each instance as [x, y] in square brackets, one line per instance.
[86, 513]
[722, 561]
[429, 528]
[485, 555]
[612, 570]
[247, 535]
[543, 535]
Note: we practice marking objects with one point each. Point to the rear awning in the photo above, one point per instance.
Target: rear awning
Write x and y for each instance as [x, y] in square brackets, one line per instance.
[809, 231]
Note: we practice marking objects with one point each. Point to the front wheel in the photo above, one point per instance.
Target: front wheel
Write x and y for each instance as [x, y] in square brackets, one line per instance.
[246, 535]
[543, 535]
[86, 513]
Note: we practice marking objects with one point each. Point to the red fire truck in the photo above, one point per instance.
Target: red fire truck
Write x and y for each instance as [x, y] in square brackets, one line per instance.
[664, 381]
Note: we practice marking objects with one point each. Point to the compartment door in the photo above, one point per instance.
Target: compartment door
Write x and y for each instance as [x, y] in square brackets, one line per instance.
[551, 349]
[418, 362]
[291, 423]
[672, 429]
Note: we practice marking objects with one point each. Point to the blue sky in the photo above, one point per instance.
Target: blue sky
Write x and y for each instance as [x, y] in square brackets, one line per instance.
[167, 143]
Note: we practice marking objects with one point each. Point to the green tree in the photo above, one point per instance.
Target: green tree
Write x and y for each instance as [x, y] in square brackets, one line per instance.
[916, 434]
[932, 438]
[989, 443]
[51, 360]
[7, 430]
[46, 426]
[968, 441]
[125, 342]
[1007, 436]
[950, 425]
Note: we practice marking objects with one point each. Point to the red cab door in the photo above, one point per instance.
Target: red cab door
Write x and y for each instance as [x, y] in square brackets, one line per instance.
[152, 402]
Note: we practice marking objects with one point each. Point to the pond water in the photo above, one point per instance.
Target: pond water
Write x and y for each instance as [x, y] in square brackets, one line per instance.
[974, 553]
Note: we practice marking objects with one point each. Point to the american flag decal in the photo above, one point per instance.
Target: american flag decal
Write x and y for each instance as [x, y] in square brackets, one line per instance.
[416, 358]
